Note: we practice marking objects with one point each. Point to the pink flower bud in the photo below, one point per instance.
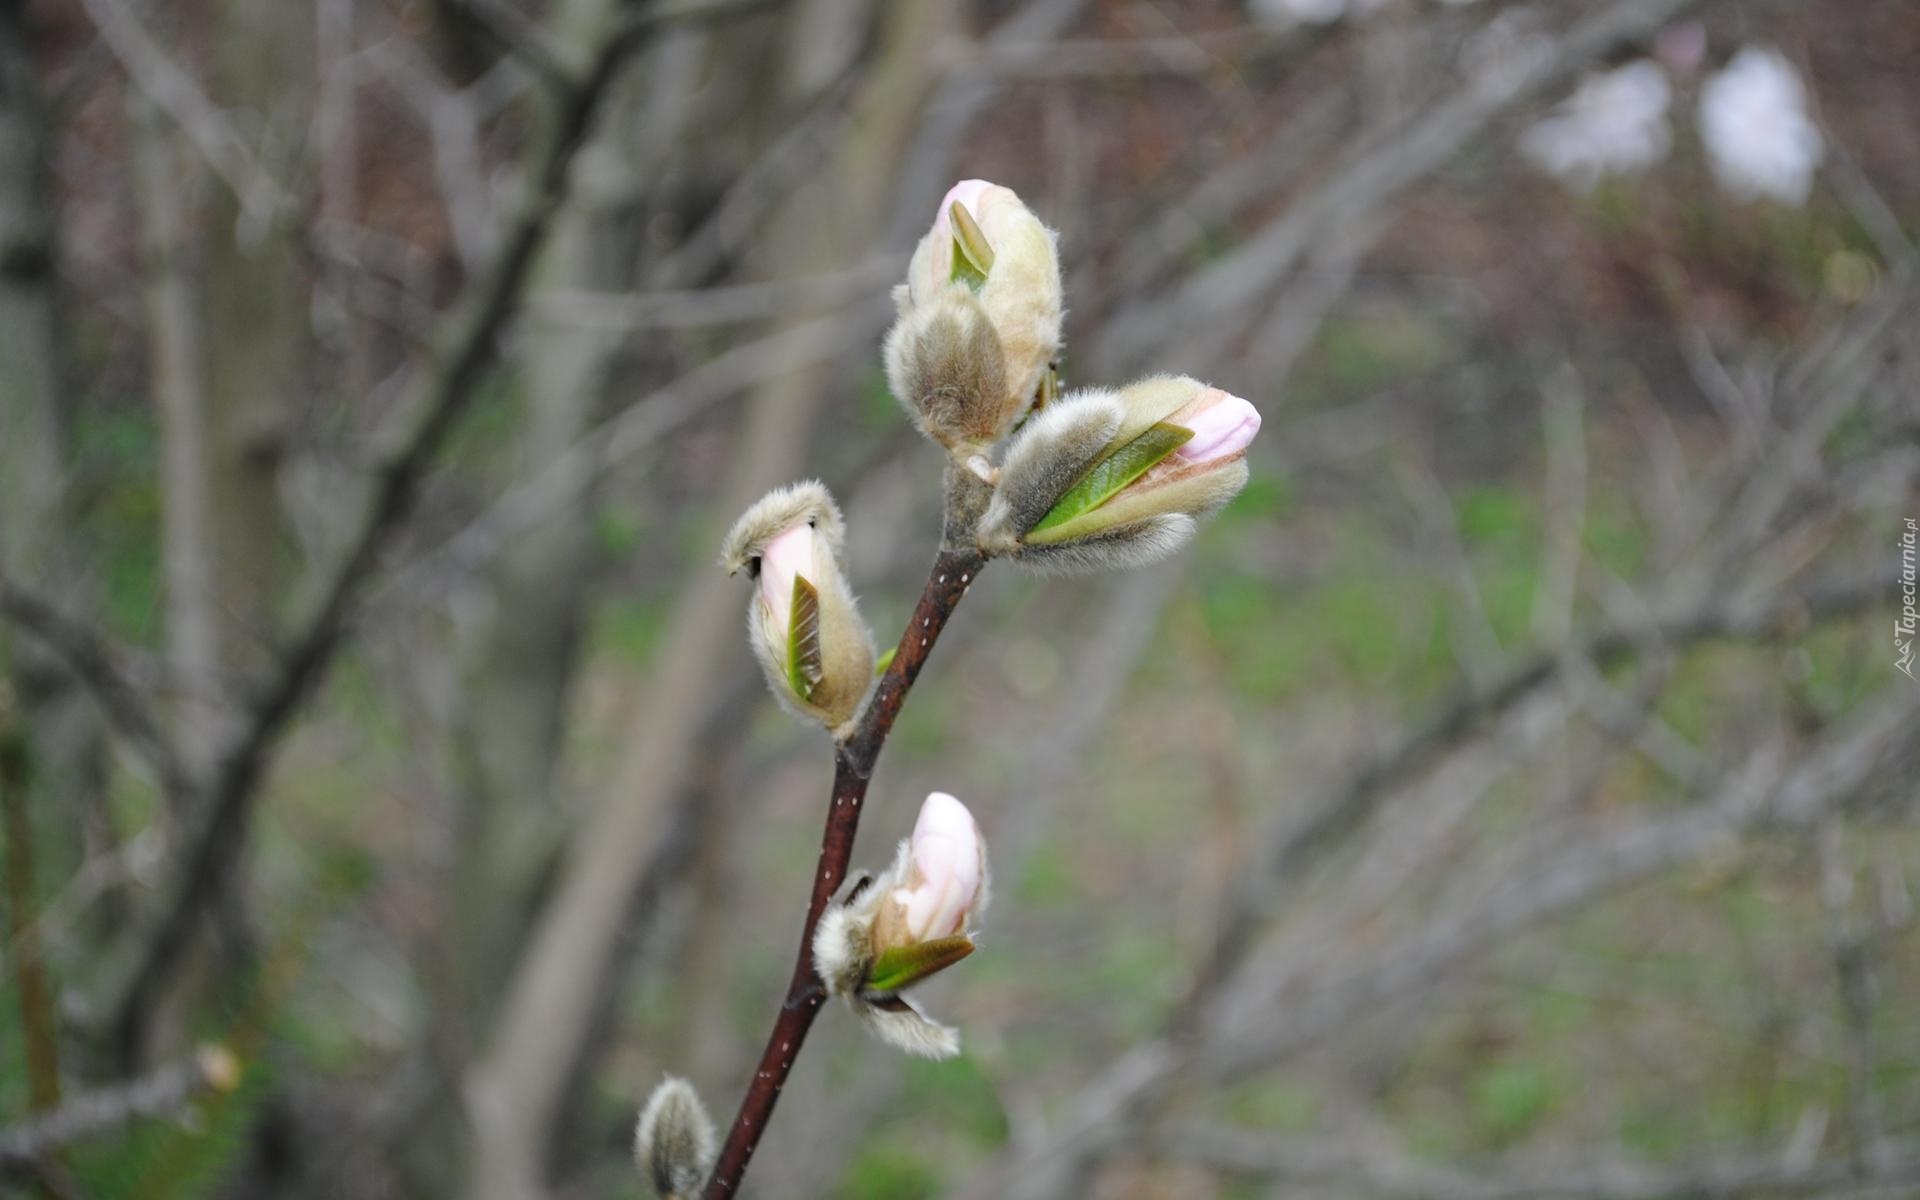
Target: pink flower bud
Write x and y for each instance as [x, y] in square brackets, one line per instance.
[972, 194]
[949, 861]
[1222, 425]
[789, 554]
[979, 324]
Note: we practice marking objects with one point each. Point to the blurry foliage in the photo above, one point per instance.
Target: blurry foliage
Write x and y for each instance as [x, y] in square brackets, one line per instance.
[118, 452]
[889, 1169]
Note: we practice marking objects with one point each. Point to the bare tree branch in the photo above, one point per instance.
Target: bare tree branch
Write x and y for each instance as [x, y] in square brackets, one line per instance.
[439, 394]
[1390, 1175]
[1375, 173]
[1282, 859]
[1754, 797]
[1233, 1022]
[690, 308]
[161, 1093]
[174, 92]
[97, 663]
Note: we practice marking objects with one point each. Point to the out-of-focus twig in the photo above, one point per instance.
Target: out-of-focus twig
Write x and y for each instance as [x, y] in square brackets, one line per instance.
[1227, 1025]
[93, 658]
[1386, 1172]
[622, 436]
[688, 308]
[439, 394]
[1371, 176]
[173, 91]
[161, 1093]
[38, 1027]
[1098, 58]
[1281, 859]
[1756, 796]
[1851, 944]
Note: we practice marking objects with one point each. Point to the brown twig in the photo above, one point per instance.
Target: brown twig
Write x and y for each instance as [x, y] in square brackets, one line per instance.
[952, 574]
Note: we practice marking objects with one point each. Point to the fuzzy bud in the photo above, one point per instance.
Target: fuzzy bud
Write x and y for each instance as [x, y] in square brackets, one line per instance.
[1117, 479]
[803, 622]
[979, 323]
[883, 935]
[674, 1141]
[947, 864]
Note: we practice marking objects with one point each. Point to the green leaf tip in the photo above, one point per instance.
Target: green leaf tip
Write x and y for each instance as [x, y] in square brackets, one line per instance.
[1112, 472]
[885, 661]
[903, 966]
[804, 665]
[972, 253]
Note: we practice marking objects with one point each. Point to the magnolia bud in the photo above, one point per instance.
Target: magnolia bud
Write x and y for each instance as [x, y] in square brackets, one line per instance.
[979, 323]
[947, 867]
[1116, 479]
[674, 1143]
[803, 622]
[882, 936]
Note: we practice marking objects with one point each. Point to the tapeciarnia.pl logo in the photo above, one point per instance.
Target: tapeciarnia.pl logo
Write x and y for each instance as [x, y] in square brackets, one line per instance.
[1903, 625]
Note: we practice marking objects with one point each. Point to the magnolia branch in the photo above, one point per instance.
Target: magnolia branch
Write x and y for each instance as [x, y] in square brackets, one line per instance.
[952, 574]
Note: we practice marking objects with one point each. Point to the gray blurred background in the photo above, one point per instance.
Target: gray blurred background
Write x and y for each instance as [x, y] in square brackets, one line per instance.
[1512, 794]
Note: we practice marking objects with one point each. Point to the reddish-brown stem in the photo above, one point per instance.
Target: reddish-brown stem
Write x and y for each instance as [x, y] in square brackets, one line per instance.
[953, 572]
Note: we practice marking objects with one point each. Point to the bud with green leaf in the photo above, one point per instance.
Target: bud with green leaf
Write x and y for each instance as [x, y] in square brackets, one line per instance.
[803, 622]
[1107, 479]
[882, 936]
[979, 324]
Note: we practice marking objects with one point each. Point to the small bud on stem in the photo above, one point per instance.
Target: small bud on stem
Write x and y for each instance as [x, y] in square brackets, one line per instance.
[885, 935]
[673, 1142]
[1095, 479]
[803, 622]
[1117, 479]
[979, 324]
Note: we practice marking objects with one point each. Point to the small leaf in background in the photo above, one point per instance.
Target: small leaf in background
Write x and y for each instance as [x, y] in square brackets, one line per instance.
[886, 660]
[804, 667]
[1115, 471]
[904, 966]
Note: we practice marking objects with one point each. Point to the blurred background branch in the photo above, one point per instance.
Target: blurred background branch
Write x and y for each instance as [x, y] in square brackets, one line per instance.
[1509, 796]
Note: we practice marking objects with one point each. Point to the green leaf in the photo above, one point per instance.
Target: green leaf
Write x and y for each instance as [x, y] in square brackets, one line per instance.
[886, 660]
[972, 252]
[804, 668]
[1119, 468]
[903, 966]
